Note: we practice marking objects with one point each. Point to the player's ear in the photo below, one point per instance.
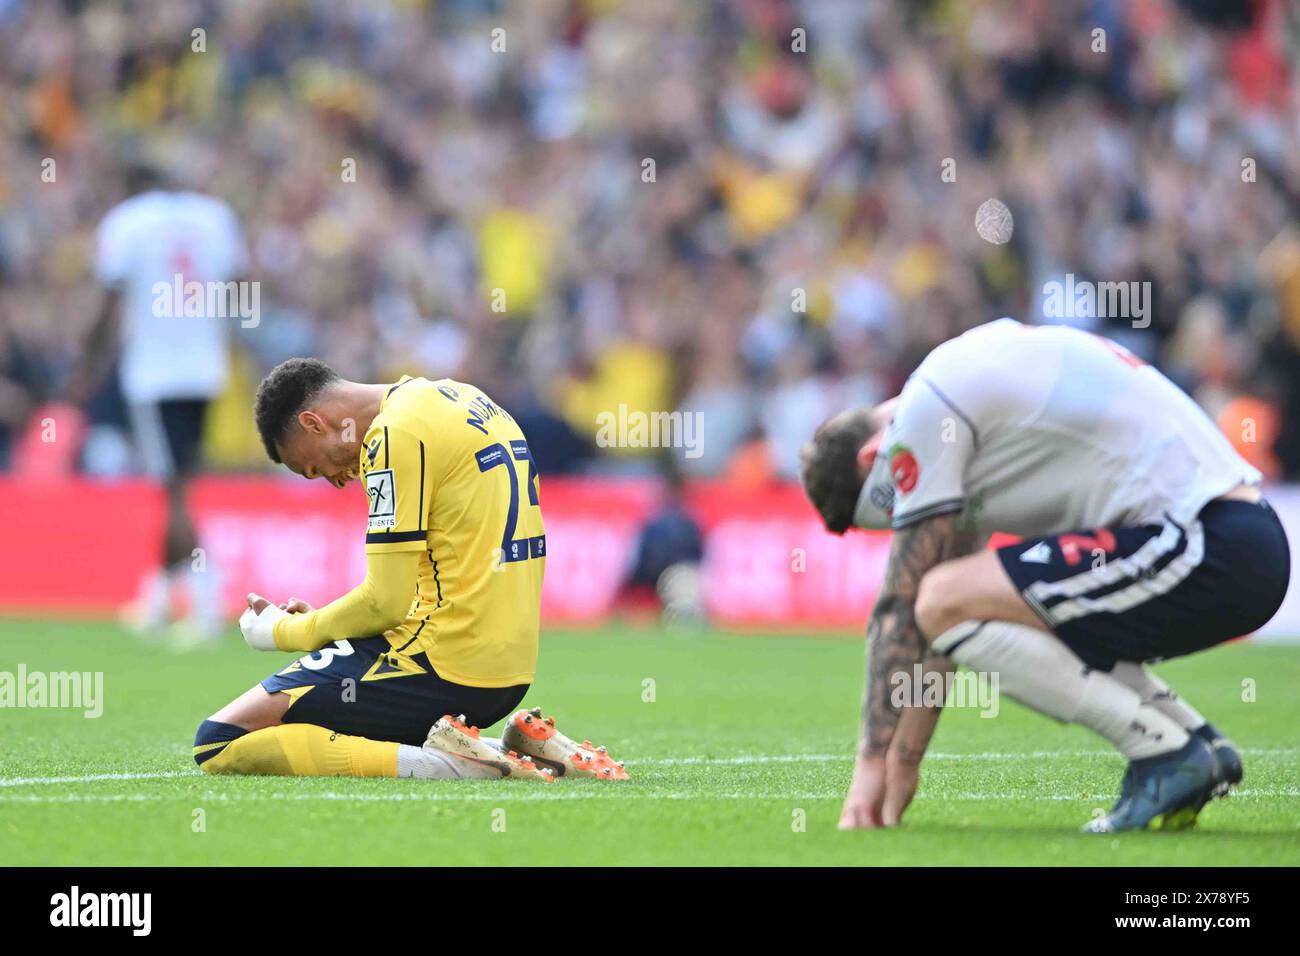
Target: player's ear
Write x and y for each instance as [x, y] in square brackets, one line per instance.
[867, 453]
[311, 423]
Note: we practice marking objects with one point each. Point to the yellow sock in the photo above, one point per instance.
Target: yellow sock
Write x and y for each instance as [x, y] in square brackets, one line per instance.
[305, 750]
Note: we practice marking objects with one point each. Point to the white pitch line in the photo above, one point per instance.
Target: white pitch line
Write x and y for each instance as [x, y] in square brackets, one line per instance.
[743, 760]
[97, 777]
[533, 796]
[738, 761]
[822, 758]
[528, 796]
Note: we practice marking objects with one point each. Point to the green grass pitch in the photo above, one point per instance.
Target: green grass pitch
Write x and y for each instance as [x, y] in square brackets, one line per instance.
[745, 736]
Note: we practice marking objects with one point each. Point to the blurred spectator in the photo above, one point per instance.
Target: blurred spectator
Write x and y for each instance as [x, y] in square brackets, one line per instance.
[760, 210]
[669, 549]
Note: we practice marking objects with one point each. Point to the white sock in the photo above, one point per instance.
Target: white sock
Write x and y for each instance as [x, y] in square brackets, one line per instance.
[438, 765]
[1158, 694]
[1037, 669]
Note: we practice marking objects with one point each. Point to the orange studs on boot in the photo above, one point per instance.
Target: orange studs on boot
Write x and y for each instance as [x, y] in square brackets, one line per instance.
[530, 724]
[459, 723]
[531, 735]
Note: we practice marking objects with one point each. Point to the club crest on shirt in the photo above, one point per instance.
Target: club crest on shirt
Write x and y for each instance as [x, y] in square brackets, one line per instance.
[381, 489]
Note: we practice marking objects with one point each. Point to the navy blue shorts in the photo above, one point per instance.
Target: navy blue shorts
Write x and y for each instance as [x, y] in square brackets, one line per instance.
[366, 688]
[1156, 591]
[168, 435]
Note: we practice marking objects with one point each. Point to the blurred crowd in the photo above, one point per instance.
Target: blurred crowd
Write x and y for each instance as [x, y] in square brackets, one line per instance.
[761, 211]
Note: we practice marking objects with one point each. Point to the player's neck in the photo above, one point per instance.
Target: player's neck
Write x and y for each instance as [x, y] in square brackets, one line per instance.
[363, 402]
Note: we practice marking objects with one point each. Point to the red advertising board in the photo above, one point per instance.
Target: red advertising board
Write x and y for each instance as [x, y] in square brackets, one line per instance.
[81, 547]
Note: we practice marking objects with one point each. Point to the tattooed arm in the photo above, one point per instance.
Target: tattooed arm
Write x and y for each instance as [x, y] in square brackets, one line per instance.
[895, 644]
[911, 738]
[894, 641]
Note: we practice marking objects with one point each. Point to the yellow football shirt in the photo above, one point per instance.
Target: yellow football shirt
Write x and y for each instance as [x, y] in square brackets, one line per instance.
[448, 472]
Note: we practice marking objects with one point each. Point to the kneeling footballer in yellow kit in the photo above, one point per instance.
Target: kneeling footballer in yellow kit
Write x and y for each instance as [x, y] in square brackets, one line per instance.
[441, 637]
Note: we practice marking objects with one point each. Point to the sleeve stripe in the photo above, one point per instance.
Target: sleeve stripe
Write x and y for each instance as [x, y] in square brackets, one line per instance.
[930, 511]
[385, 446]
[420, 513]
[393, 537]
[975, 435]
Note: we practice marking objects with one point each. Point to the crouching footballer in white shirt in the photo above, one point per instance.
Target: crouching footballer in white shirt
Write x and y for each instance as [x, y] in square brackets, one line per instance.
[1144, 536]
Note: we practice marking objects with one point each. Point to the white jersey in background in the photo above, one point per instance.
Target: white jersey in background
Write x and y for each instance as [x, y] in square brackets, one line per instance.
[152, 238]
[1038, 429]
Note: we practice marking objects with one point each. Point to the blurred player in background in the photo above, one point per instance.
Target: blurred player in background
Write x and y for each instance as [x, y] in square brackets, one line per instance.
[443, 631]
[170, 364]
[1145, 537]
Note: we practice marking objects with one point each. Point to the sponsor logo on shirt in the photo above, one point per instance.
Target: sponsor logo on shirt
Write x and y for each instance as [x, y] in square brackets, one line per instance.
[381, 489]
[903, 467]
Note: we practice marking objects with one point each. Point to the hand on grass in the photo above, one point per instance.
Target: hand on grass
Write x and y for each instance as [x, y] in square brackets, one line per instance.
[901, 778]
[864, 805]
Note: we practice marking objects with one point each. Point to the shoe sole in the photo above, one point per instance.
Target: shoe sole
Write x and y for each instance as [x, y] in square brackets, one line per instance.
[452, 736]
[527, 732]
[1179, 818]
[1183, 818]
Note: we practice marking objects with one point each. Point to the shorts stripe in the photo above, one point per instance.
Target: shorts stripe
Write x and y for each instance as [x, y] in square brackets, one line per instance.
[1142, 589]
[1114, 571]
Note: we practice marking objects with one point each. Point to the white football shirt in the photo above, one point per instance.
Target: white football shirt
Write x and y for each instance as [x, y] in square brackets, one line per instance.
[1035, 430]
[150, 239]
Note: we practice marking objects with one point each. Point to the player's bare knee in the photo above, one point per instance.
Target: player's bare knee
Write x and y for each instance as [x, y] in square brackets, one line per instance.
[939, 602]
[254, 709]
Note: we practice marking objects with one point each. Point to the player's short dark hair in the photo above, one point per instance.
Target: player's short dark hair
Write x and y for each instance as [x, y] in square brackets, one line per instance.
[828, 466]
[284, 393]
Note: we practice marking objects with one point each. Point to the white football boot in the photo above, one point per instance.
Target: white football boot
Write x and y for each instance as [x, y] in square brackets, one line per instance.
[450, 735]
[527, 732]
